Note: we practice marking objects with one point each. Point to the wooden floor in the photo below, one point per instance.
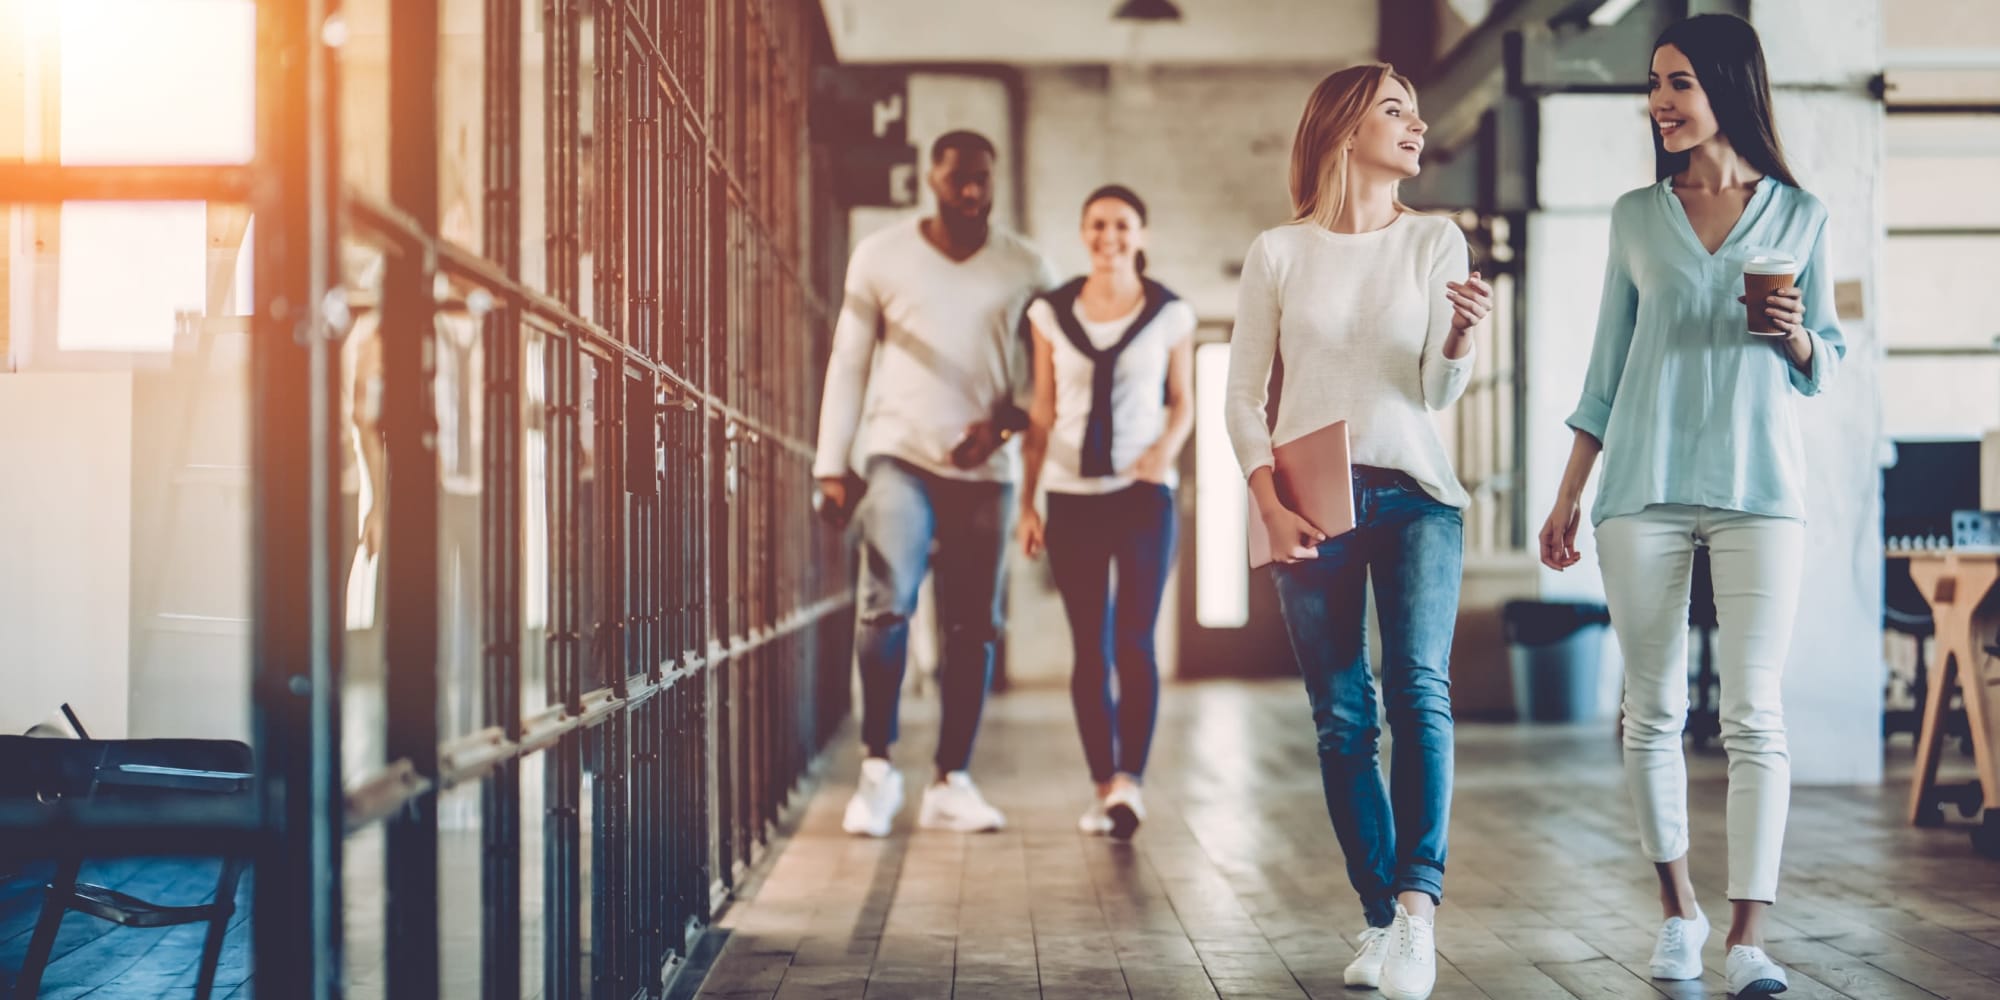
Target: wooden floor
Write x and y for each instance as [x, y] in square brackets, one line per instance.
[1235, 887]
[99, 960]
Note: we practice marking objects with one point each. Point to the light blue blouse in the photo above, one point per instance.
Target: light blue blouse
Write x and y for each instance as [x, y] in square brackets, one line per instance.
[1691, 408]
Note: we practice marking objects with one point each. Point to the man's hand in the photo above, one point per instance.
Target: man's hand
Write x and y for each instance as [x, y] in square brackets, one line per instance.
[837, 498]
[833, 489]
[981, 440]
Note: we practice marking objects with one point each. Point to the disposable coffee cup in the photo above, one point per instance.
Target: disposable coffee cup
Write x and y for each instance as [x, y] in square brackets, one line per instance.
[1764, 275]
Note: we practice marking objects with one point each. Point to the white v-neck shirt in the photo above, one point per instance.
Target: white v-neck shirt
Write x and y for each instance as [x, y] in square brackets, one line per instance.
[925, 347]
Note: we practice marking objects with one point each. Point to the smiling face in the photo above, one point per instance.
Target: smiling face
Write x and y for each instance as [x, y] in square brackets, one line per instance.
[1113, 233]
[1390, 138]
[1681, 113]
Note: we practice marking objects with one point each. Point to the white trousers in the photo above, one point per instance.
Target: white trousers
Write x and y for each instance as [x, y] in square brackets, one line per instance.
[1756, 563]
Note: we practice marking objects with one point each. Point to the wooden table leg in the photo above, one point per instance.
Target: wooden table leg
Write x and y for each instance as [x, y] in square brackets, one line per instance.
[1930, 735]
[1957, 589]
[1979, 682]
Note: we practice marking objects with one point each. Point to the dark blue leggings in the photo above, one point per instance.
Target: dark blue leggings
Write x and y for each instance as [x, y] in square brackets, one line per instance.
[1087, 534]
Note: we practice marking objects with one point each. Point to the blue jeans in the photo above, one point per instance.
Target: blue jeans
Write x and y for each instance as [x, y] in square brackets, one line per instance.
[1414, 547]
[1133, 528]
[903, 514]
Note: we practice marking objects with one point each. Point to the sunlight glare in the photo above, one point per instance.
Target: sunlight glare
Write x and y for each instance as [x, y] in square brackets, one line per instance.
[157, 81]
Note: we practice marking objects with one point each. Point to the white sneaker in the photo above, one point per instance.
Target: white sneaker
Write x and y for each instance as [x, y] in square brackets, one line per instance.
[872, 810]
[1677, 953]
[1753, 974]
[1094, 822]
[956, 805]
[1411, 970]
[1126, 810]
[1366, 969]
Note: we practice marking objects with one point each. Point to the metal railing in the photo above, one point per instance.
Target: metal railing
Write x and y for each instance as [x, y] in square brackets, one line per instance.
[697, 621]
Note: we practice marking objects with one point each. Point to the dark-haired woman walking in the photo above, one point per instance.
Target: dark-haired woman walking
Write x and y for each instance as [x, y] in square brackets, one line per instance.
[1691, 399]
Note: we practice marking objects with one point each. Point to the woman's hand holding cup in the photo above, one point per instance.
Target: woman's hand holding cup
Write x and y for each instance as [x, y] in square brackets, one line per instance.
[1775, 307]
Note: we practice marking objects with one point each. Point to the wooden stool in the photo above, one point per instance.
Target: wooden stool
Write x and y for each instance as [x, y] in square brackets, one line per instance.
[1957, 585]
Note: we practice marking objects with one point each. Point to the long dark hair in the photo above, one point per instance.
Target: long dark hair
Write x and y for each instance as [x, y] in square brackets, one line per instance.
[1728, 59]
[1119, 192]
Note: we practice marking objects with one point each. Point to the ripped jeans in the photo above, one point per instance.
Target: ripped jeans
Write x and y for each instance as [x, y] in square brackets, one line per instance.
[904, 512]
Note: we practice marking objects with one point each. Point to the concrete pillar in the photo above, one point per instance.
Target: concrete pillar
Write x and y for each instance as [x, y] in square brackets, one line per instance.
[1822, 57]
[1593, 148]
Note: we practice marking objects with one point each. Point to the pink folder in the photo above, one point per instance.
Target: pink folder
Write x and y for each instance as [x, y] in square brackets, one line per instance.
[1315, 480]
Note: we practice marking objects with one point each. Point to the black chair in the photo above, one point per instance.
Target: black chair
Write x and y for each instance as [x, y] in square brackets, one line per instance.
[1905, 613]
[141, 771]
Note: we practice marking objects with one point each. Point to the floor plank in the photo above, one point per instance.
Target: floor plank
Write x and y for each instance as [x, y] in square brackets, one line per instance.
[103, 961]
[1235, 886]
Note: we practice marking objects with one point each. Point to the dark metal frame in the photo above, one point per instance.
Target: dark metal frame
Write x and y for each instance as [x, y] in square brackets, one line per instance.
[704, 662]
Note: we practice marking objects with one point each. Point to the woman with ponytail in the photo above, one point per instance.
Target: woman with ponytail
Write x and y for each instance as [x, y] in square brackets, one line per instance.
[1114, 403]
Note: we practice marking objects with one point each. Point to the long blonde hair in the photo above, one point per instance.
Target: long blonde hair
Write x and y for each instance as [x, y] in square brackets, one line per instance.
[1333, 115]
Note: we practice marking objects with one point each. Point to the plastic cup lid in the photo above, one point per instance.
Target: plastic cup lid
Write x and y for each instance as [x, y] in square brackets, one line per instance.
[1770, 263]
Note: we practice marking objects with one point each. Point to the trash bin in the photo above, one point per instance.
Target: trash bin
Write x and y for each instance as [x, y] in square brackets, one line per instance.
[1555, 654]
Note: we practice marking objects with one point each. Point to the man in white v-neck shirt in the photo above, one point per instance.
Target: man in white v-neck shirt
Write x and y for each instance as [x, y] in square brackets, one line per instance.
[927, 382]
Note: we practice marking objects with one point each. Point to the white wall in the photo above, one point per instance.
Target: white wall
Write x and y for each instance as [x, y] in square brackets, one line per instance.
[65, 549]
[190, 531]
[1565, 270]
[946, 102]
[124, 565]
[1593, 149]
[1207, 148]
[1832, 129]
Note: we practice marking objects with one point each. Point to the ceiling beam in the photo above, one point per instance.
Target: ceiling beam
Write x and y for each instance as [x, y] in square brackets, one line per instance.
[1409, 35]
[1472, 77]
[1325, 33]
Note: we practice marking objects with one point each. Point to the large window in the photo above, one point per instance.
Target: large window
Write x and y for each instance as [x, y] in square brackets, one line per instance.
[1941, 376]
[105, 285]
[124, 349]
